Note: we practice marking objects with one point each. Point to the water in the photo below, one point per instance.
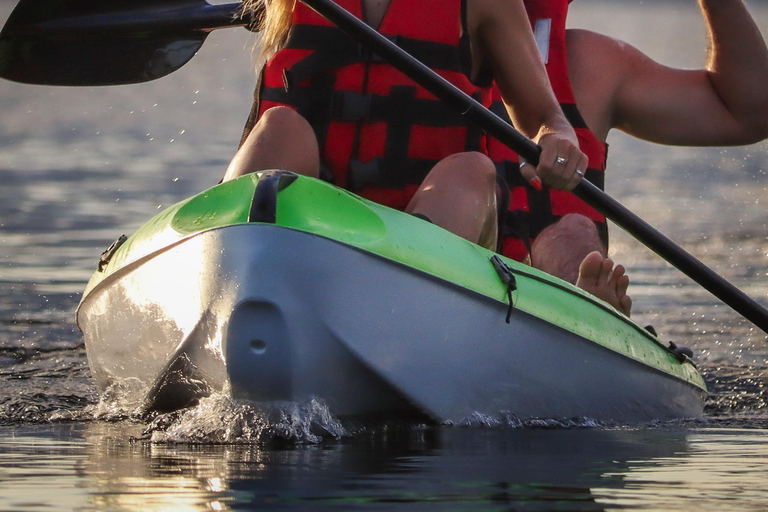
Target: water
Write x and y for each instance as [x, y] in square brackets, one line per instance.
[451, 469]
[79, 167]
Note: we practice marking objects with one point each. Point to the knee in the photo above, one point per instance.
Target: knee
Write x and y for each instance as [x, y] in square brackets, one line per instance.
[473, 162]
[469, 168]
[285, 120]
[574, 231]
[577, 223]
[281, 139]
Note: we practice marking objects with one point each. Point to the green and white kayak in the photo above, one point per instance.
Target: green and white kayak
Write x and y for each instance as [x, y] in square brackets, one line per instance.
[277, 287]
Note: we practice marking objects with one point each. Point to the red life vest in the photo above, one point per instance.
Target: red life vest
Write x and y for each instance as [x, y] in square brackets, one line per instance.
[531, 211]
[379, 132]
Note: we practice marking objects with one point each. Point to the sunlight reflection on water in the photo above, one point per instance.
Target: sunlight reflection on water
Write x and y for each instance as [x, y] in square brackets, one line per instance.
[717, 467]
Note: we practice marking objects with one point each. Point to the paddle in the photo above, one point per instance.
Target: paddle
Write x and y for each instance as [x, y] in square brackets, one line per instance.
[106, 42]
[154, 26]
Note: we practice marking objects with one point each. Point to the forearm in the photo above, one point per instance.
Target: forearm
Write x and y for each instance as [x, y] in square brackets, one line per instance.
[738, 63]
[536, 115]
[530, 102]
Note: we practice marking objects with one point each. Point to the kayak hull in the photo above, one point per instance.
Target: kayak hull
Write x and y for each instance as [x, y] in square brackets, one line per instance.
[271, 313]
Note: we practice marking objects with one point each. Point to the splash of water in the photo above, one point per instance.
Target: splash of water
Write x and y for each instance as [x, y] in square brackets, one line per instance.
[220, 420]
[506, 419]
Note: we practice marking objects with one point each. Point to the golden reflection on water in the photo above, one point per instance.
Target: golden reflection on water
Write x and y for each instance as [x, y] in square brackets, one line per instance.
[140, 476]
[24, 460]
[718, 467]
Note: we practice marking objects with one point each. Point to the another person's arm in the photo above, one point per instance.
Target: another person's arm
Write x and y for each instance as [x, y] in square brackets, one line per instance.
[725, 103]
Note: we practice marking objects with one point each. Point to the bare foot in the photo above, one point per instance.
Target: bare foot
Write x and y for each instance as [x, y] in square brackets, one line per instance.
[598, 276]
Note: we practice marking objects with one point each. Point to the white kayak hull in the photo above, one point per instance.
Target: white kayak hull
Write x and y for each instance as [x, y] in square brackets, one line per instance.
[269, 313]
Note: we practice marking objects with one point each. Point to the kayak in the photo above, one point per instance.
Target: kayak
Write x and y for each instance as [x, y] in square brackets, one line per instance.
[275, 287]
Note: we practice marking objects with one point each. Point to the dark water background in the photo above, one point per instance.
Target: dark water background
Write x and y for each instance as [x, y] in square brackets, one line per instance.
[79, 167]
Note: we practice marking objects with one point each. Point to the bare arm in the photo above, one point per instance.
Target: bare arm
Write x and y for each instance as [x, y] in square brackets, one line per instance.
[501, 35]
[738, 65]
[725, 103]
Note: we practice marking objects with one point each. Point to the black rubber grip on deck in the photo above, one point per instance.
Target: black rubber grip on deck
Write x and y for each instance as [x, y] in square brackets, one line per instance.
[264, 204]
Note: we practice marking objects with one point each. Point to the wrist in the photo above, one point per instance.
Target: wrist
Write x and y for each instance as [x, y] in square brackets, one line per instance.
[562, 131]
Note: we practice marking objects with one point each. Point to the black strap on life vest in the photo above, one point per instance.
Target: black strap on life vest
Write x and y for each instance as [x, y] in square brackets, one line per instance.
[573, 116]
[253, 115]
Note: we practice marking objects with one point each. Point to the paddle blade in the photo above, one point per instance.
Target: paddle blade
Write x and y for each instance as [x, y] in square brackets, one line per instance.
[86, 63]
[105, 42]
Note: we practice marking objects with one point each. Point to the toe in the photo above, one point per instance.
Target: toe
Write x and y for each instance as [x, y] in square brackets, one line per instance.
[622, 284]
[591, 268]
[625, 304]
[606, 272]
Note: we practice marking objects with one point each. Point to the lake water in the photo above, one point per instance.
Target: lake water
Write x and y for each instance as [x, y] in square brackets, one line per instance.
[79, 167]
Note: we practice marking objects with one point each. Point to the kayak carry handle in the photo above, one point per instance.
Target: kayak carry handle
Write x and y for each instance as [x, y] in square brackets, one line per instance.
[264, 204]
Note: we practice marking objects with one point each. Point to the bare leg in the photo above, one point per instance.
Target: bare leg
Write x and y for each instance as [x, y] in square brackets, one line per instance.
[561, 247]
[459, 194]
[572, 250]
[282, 139]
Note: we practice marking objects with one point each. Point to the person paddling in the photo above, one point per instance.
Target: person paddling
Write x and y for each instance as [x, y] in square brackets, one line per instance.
[725, 103]
[327, 107]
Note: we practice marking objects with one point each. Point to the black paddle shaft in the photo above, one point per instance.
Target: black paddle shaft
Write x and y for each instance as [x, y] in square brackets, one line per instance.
[506, 134]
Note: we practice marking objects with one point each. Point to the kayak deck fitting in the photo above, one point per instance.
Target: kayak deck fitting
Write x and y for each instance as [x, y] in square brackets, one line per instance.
[277, 287]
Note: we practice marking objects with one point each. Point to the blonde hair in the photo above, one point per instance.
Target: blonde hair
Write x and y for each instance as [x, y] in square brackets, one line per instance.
[272, 18]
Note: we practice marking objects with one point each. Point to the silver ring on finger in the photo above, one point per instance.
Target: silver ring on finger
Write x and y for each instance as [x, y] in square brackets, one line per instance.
[580, 172]
[560, 160]
[522, 163]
